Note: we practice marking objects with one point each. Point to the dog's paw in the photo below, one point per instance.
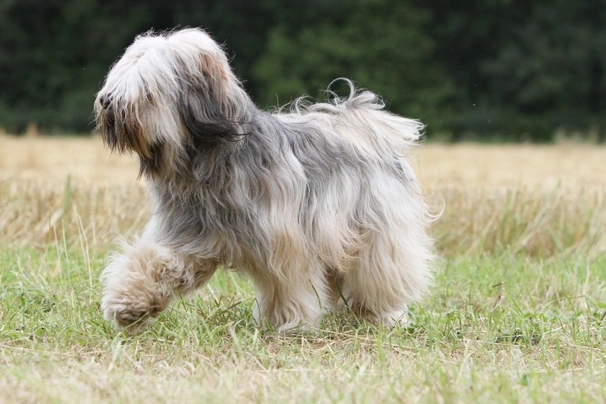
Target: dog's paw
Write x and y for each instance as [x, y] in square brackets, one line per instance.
[387, 318]
[130, 316]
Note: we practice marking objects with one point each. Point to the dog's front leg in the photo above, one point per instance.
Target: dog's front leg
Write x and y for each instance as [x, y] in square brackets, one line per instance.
[142, 280]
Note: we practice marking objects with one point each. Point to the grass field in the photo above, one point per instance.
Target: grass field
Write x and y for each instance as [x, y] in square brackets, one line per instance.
[518, 312]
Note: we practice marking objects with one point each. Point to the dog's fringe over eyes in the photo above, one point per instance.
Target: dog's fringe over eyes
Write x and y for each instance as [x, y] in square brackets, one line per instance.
[316, 203]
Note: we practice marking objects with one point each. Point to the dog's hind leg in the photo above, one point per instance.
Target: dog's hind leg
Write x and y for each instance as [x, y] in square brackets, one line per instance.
[141, 282]
[393, 271]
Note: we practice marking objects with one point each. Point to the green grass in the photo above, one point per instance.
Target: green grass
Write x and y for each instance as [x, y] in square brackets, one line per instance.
[497, 328]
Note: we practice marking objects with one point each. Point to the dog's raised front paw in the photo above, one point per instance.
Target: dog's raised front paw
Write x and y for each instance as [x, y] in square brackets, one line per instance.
[130, 316]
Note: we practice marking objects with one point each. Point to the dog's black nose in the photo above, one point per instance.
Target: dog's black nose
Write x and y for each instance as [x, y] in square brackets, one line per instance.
[105, 100]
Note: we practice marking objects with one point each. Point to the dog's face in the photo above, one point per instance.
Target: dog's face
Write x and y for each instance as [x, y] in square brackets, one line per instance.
[168, 93]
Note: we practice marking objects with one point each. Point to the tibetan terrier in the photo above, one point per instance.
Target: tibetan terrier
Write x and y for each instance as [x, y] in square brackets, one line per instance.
[318, 205]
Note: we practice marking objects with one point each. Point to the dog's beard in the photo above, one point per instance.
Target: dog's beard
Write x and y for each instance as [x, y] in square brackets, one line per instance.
[122, 130]
[124, 137]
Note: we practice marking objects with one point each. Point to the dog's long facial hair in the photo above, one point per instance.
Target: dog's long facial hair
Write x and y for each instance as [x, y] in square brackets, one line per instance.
[318, 205]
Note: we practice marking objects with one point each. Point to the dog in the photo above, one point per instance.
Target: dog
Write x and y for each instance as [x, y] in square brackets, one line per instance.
[317, 204]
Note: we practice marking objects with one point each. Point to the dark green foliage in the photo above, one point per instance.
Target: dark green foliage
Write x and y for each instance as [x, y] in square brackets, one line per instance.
[509, 68]
[389, 54]
[523, 69]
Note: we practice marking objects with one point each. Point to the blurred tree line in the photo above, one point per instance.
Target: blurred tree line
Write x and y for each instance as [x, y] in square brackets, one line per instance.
[504, 69]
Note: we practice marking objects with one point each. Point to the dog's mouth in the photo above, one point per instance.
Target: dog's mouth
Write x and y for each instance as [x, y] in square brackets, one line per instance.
[122, 132]
[150, 155]
[122, 135]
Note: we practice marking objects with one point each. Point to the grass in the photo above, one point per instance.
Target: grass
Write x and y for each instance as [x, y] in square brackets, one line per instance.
[518, 312]
[501, 329]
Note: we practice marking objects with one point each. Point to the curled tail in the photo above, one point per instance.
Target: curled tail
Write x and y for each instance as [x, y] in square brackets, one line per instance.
[361, 116]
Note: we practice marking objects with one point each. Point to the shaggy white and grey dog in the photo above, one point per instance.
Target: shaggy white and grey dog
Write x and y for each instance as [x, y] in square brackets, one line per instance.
[319, 205]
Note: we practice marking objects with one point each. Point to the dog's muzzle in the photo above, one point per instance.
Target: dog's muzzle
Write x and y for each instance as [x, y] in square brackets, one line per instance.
[105, 101]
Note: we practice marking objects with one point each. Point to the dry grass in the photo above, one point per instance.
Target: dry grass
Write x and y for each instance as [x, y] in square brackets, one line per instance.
[537, 200]
[51, 159]
[517, 313]
[463, 166]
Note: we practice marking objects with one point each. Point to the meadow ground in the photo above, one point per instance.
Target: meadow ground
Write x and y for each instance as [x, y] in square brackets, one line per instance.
[518, 312]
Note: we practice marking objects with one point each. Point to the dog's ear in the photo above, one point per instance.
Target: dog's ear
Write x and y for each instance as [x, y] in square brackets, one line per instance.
[205, 120]
[207, 109]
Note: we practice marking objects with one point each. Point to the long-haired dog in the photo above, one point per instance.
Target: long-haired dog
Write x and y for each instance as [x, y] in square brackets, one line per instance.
[318, 205]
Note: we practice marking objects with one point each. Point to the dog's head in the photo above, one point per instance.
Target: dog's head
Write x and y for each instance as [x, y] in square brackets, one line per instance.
[168, 93]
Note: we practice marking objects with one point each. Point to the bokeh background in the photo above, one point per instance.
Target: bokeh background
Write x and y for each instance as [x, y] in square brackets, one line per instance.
[509, 70]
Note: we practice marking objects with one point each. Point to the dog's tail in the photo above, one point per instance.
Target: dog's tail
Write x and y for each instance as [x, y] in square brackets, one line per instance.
[361, 117]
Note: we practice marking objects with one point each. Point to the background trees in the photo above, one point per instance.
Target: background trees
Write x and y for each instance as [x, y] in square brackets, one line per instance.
[507, 68]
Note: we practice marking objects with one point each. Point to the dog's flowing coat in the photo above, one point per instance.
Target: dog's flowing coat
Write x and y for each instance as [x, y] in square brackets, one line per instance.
[319, 205]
